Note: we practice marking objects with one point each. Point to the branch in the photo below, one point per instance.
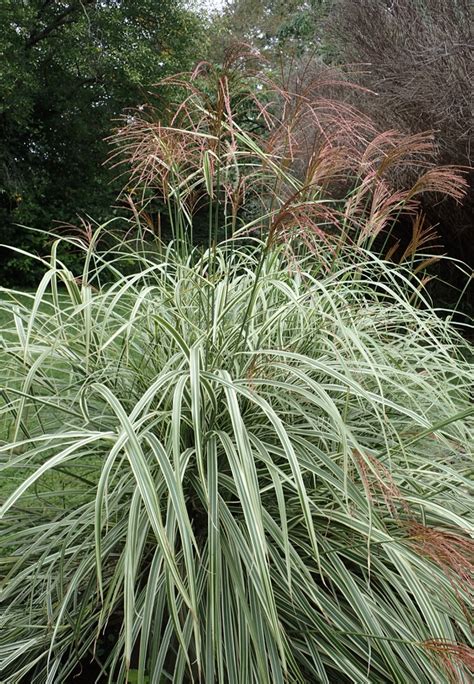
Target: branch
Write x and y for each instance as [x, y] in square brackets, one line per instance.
[60, 20]
[44, 6]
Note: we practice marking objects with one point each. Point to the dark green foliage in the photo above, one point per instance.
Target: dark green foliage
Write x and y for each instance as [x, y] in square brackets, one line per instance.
[67, 70]
[281, 28]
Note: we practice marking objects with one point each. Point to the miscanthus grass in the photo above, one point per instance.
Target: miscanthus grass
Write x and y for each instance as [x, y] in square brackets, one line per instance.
[275, 493]
[249, 462]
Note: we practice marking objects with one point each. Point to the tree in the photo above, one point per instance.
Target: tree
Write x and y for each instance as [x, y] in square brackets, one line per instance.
[68, 67]
[291, 26]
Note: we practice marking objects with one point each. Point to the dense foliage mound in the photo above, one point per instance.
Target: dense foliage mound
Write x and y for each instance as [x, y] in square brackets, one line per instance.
[246, 477]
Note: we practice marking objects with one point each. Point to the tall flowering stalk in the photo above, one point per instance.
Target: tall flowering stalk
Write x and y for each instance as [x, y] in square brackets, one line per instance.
[288, 166]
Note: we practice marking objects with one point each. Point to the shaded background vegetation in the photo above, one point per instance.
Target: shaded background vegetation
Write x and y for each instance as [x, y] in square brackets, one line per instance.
[418, 62]
[67, 70]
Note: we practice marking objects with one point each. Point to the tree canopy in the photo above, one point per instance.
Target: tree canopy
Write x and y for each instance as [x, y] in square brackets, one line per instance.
[69, 67]
[290, 26]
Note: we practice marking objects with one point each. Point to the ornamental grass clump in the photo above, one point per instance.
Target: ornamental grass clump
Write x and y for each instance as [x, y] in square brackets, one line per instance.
[260, 505]
[235, 462]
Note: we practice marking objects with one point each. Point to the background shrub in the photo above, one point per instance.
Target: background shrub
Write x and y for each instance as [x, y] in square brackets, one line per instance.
[417, 57]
